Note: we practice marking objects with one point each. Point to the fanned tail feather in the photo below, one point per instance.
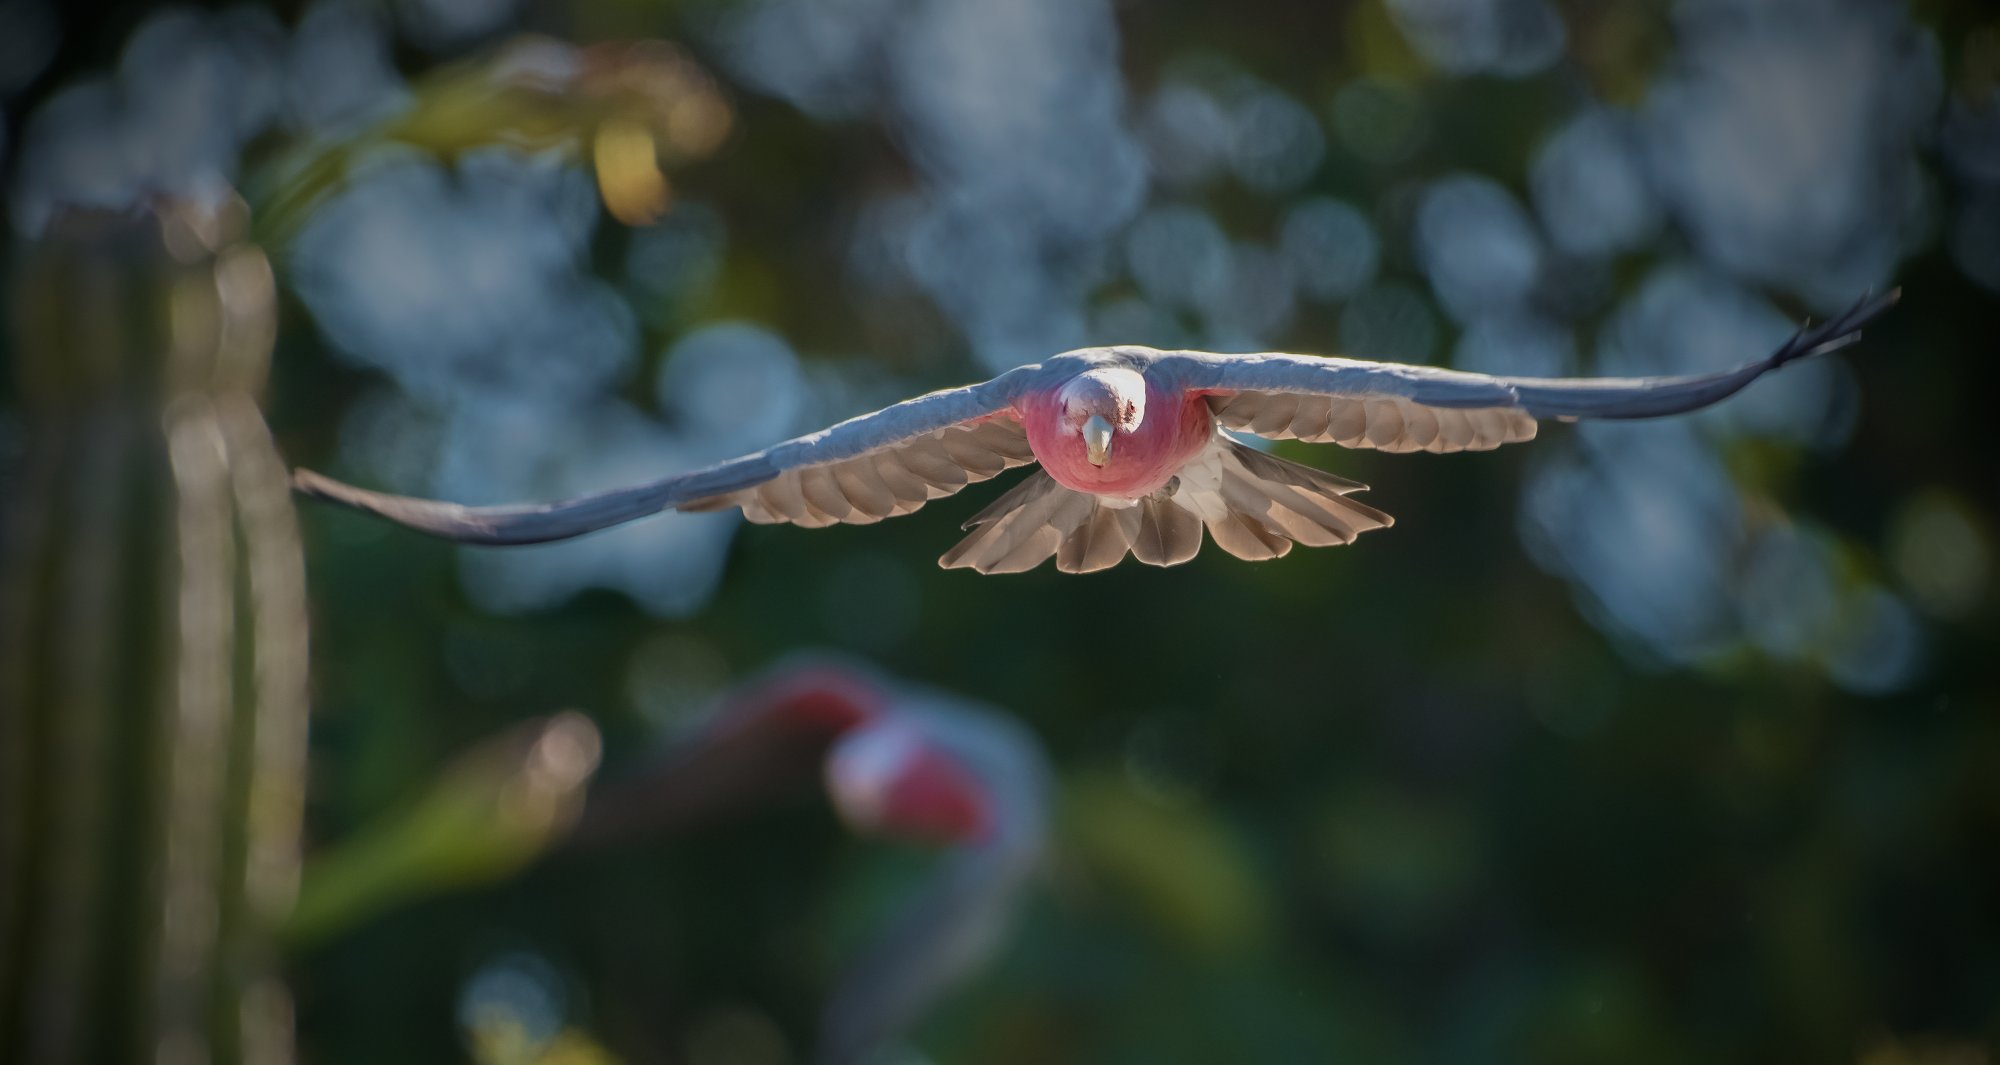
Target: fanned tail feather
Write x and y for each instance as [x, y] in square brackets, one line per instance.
[1254, 506]
[1021, 528]
[1256, 492]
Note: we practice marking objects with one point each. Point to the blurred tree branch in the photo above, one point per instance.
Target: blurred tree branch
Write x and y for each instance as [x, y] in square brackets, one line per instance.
[632, 110]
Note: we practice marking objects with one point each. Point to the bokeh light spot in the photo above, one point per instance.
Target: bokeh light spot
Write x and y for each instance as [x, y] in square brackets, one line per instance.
[1511, 38]
[733, 386]
[1331, 246]
[1380, 122]
[1476, 245]
[1277, 143]
[1388, 321]
[512, 1007]
[1940, 554]
[673, 676]
[736, 1035]
[1591, 187]
[1519, 344]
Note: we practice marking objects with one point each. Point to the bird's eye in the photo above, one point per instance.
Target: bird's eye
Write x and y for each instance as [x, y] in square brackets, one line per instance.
[1129, 408]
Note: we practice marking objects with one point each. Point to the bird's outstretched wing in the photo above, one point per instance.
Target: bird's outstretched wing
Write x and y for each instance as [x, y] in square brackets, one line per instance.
[1394, 407]
[875, 466]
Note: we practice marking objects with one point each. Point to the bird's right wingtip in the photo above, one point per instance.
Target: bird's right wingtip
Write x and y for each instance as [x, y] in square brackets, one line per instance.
[1871, 307]
[1838, 331]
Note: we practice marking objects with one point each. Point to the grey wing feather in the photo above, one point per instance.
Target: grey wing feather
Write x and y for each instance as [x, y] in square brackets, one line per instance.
[878, 465]
[1394, 407]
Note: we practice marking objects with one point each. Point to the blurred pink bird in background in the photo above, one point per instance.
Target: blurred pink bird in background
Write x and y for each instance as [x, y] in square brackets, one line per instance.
[898, 762]
[1135, 453]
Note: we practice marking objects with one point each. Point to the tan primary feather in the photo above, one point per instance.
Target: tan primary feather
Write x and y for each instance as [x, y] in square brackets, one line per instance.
[1385, 423]
[881, 484]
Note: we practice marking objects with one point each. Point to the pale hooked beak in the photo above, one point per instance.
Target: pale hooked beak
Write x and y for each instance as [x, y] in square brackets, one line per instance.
[1097, 440]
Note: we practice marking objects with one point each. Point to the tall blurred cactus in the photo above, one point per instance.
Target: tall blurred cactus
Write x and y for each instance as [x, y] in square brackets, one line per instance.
[152, 651]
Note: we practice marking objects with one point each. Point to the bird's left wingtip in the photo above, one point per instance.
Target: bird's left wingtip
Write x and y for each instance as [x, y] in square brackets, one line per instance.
[307, 483]
[319, 486]
[449, 520]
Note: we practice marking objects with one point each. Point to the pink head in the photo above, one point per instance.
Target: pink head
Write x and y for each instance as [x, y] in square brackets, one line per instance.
[1100, 404]
[889, 779]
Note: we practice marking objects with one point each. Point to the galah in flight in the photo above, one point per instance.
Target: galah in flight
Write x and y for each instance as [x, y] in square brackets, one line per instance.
[1133, 451]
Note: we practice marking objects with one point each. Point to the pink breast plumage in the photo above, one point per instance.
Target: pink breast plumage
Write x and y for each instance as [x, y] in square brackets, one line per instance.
[1175, 429]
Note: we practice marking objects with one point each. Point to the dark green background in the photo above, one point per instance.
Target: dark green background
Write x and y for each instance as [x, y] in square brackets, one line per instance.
[1397, 801]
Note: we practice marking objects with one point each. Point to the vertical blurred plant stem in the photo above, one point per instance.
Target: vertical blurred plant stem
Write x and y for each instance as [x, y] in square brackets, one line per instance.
[152, 652]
